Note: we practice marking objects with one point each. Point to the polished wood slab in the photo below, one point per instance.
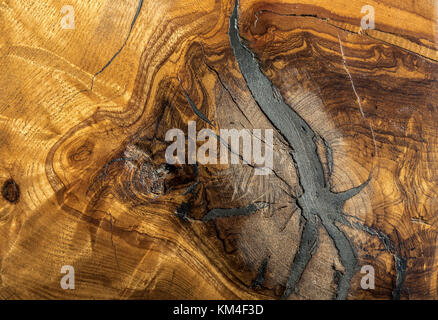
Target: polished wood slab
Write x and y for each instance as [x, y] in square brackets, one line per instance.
[84, 114]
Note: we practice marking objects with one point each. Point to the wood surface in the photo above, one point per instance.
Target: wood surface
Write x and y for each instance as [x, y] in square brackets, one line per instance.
[83, 119]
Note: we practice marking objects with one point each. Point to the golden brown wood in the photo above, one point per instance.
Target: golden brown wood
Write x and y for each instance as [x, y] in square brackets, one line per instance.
[83, 118]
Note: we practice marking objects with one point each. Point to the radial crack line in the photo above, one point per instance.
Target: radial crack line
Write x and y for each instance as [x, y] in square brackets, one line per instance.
[140, 4]
[317, 199]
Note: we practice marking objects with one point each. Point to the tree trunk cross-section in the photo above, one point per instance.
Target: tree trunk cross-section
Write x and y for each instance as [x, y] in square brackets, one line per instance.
[85, 115]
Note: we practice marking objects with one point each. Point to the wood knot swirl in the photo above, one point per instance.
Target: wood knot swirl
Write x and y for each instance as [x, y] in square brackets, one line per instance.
[11, 191]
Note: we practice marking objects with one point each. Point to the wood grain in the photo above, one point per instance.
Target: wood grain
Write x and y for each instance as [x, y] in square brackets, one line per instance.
[83, 119]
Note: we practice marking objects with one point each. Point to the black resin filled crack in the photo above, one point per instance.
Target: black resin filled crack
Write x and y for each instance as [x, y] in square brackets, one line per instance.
[318, 203]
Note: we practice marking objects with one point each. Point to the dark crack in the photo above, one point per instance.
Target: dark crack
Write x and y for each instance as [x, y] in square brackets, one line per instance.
[318, 202]
[233, 212]
[222, 83]
[400, 267]
[183, 211]
[192, 188]
[112, 241]
[400, 263]
[193, 106]
[140, 4]
[385, 33]
[329, 156]
[308, 244]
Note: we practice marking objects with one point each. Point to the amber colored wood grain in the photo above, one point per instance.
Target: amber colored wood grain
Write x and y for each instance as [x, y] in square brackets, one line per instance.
[82, 167]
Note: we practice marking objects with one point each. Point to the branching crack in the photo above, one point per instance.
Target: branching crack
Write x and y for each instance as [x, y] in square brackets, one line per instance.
[400, 263]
